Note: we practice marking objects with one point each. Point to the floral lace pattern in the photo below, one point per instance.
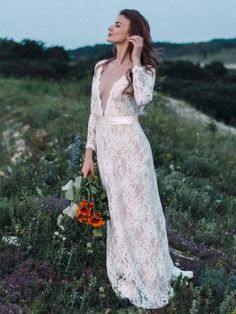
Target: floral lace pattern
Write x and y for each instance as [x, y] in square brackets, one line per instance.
[138, 262]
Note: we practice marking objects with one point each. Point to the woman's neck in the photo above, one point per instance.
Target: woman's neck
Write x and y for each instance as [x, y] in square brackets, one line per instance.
[123, 56]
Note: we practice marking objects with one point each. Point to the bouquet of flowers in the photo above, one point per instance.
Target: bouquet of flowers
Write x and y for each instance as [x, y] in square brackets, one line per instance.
[88, 204]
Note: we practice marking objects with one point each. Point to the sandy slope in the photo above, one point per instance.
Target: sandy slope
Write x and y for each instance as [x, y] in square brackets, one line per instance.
[185, 110]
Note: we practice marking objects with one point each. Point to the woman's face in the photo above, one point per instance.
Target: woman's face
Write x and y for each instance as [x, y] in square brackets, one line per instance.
[119, 31]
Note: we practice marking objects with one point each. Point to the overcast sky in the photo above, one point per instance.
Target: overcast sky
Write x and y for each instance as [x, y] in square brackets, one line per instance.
[76, 23]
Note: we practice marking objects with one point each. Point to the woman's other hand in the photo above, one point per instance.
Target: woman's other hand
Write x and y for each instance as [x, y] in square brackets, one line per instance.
[88, 165]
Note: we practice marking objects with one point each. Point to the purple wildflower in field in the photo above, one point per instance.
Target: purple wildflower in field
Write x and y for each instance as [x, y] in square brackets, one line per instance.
[10, 256]
[31, 276]
[201, 250]
[52, 203]
[13, 309]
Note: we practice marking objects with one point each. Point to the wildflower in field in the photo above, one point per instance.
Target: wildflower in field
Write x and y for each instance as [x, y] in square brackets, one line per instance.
[75, 152]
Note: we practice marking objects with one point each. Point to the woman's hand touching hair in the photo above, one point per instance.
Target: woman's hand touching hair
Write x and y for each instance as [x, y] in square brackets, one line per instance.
[137, 42]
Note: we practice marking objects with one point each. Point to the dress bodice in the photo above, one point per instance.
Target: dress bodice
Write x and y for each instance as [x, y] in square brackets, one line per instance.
[118, 105]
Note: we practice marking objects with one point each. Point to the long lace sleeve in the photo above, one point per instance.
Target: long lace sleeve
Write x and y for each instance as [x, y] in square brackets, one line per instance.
[143, 84]
[91, 133]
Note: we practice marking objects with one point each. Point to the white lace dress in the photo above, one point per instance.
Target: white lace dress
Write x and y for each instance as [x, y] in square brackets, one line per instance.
[138, 262]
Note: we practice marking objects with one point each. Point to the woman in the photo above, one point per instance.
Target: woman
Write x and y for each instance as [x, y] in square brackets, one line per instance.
[139, 266]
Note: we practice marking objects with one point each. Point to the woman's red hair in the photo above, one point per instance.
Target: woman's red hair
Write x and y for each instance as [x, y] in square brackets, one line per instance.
[149, 56]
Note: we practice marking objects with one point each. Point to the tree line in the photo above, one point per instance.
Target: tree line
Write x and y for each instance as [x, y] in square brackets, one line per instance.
[211, 88]
[30, 58]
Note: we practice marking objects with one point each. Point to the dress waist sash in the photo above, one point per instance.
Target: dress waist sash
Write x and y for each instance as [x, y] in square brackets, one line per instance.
[117, 120]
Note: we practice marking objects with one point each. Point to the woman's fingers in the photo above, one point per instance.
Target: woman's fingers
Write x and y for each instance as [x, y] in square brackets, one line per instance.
[92, 170]
[136, 40]
[87, 168]
[84, 172]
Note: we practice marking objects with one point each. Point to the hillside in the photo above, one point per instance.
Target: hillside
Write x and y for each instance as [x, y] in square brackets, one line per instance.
[43, 131]
[210, 88]
[185, 110]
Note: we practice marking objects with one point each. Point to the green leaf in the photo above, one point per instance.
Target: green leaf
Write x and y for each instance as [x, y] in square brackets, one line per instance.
[70, 194]
[93, 190]
[97, 232]
[88, 193]
[77, 182]
[100, 204]
[103, 195]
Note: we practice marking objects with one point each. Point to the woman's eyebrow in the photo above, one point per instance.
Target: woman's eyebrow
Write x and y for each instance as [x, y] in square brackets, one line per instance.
[118, 22]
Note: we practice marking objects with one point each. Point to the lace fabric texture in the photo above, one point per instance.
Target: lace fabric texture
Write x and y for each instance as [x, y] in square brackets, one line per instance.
[138, 262]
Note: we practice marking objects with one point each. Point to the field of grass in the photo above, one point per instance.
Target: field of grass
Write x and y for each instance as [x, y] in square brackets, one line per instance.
[196, 172]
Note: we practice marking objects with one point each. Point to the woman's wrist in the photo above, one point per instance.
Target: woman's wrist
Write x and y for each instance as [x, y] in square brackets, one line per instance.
[89, 153]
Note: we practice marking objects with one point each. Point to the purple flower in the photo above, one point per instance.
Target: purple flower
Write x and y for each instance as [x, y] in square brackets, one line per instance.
[10, 256]
[13, 309]
[52, 203]
[74, 159]
[30, 277]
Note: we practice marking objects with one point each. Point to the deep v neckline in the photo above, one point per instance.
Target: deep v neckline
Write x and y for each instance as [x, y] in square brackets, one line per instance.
[109, 93]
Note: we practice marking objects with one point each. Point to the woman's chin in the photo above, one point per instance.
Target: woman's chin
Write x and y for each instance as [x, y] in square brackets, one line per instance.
[109, 40]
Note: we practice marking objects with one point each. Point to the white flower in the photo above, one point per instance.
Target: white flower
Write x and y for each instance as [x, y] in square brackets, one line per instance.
[69, 190]
[11, 240]
[101, 289]
[68, 186]
[59, 235]
[70, 210]
[59, 218]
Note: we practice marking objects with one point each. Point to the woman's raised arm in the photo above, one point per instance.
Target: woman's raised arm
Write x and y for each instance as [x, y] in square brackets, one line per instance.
[143, 84]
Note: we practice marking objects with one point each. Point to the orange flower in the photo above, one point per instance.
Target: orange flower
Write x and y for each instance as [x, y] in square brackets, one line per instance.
[85, 207]
[96, 220]
[86, 203]
[85, 215]
[86, 211]
[83, 219]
